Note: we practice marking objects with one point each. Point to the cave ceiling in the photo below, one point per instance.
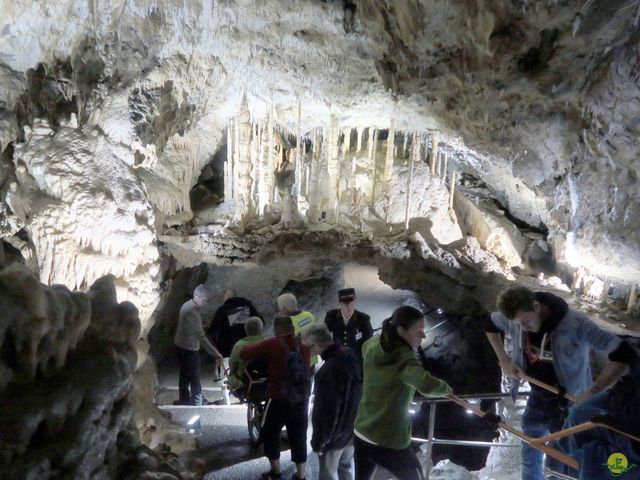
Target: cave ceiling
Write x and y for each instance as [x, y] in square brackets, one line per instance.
[540, 100]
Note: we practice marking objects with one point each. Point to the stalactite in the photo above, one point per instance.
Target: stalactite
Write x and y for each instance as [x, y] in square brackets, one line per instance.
[346, 142]
[413, 157]
[228, 165]
[271, 180]
[333, 167]
[405, 143]
[452, 189]
[298, 170]
[438, 162]
[373, 140]
[255, 162]
[312, 213]
[360, 131]
[263, 180]
[434, 153]
[236, 157]
[388, 163]
[444, 168]
[307, 173]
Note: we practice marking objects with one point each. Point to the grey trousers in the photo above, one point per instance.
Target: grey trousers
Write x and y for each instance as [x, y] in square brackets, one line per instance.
[337, 464]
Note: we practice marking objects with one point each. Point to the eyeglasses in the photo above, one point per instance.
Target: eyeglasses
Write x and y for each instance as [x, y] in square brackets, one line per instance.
[346, 300]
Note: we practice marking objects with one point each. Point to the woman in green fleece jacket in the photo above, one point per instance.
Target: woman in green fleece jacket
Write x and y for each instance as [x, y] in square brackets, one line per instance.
[392, 374]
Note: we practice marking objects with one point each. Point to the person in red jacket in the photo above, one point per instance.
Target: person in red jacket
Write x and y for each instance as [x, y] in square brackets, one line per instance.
[283, 409]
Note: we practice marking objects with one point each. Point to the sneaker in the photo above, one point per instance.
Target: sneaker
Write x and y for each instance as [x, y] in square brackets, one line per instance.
[271, 475]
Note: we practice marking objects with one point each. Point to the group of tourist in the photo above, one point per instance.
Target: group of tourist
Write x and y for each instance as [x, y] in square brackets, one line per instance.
[366, 382]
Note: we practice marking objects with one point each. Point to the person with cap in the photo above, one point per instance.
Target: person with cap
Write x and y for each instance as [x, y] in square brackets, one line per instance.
[188, 339]
[288, 358]
[337, 394]
[349, 326]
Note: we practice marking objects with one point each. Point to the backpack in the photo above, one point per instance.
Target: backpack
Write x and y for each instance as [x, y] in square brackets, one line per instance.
[296, 382]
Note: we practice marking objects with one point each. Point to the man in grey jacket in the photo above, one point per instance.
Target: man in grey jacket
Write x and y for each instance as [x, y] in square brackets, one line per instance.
[551, 343]
[188, 339]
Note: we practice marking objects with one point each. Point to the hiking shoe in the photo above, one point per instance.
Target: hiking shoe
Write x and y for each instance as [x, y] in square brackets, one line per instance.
[271, 475]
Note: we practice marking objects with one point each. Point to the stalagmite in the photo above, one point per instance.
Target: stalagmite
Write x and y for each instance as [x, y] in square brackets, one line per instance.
[444, 168]
[360, 131]
[415, 152]
[245, 130]
[605, 292]
[434, 153]
[452, 189]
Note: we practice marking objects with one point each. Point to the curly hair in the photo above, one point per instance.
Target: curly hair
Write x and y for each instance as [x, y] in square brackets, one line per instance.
[516, 299]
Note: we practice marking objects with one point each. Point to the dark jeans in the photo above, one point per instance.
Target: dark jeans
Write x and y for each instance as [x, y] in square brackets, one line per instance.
[592, 448]
[544, 414]
[402, 463]
[189, 380]
[280, 413]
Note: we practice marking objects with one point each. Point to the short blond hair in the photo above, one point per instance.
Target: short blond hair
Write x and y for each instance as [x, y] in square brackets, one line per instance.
[253, 326]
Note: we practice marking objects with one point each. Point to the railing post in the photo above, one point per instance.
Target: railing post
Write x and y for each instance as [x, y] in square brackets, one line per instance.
[432, 424]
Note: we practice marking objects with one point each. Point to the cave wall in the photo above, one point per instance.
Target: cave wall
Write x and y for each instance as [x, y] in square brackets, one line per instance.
[66, 370]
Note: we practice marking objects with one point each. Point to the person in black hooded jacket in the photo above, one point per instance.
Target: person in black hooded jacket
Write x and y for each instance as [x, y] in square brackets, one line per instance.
[228, 322]
[338, 390]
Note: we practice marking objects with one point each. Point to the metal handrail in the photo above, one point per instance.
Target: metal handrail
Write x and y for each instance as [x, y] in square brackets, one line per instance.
[471, 443]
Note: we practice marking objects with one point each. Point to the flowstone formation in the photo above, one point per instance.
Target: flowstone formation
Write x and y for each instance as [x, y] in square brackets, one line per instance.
[66, 373]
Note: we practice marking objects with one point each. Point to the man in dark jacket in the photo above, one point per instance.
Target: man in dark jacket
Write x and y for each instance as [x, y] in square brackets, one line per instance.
[338, 389]
[282, 410]
[228, 322]
[347, 325]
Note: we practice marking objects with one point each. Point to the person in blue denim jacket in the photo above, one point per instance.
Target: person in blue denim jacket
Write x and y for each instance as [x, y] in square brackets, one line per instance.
[602, 452]
[551, 343]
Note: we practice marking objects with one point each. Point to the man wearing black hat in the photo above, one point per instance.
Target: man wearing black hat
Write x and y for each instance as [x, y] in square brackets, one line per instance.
[347, 325]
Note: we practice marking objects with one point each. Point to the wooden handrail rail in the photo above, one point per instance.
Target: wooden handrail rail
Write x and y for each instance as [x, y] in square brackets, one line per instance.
[581, 428]
[547, 387]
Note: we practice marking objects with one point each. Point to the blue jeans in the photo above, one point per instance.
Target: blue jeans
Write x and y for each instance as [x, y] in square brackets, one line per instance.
[542, 415]
[593, 447]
